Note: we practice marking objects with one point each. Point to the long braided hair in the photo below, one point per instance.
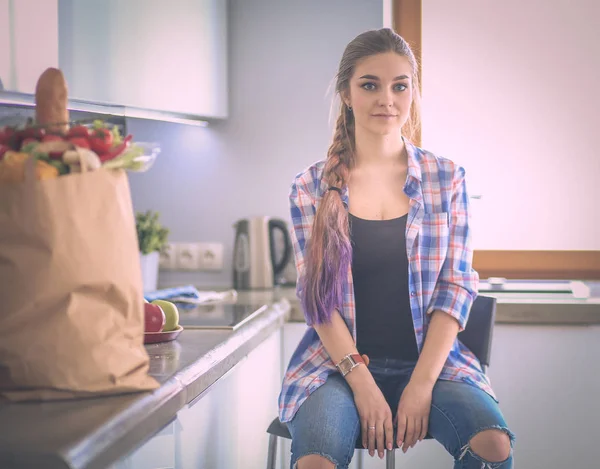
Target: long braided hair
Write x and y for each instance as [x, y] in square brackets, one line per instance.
[329, 252]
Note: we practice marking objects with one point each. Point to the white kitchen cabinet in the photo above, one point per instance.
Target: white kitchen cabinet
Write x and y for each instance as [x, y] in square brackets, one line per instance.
[28, 42]
[292, 334]
[150, 54]
[157, 453]
[5, 45]
[227, 426]
[205, 428]
[257, 385]
[548, 383]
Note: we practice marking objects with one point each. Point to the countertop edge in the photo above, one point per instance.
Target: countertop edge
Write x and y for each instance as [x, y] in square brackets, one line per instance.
[155, 410]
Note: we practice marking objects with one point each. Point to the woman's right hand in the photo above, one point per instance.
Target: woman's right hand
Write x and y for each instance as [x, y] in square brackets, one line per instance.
[375, 414]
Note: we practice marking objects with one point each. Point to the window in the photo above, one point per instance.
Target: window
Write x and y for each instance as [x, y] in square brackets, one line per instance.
[407, 17]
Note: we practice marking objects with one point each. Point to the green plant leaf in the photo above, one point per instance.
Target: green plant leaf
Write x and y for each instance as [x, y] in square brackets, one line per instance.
[152, 236]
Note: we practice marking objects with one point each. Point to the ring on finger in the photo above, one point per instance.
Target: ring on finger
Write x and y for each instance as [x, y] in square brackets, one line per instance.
[372, 428]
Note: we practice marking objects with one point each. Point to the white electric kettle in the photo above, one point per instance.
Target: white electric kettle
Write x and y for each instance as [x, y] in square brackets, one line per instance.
[261, 252]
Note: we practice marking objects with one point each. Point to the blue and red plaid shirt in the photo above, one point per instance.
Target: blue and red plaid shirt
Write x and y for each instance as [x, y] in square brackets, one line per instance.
[440, 272]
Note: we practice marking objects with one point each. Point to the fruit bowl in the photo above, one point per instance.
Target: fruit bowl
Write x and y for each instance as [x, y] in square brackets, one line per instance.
[157, 337]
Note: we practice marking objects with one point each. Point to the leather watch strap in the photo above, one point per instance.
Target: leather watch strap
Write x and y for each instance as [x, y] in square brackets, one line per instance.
[358, 358]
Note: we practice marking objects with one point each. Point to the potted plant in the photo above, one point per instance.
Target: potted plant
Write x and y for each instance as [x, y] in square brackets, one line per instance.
[152, 238]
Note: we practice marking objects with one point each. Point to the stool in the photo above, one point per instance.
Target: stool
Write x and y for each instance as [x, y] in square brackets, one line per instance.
[477, 336]
[278, 429]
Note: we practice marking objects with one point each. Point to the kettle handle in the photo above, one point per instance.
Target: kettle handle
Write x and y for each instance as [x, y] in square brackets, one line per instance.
[275, 224]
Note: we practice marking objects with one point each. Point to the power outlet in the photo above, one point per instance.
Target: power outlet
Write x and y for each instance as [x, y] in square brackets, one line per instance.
[168, 257]
[188, 256]
[210, 256]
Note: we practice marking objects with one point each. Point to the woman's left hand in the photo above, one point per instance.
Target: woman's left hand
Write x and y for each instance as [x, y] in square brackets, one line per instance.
[413, 414]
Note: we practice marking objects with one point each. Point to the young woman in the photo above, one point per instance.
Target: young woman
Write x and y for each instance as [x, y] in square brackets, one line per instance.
[382, 244]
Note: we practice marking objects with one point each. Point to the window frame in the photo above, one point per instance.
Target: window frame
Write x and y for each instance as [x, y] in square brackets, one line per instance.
[511, 264]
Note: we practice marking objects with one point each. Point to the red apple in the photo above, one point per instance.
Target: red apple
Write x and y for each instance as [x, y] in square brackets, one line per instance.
[154, 318]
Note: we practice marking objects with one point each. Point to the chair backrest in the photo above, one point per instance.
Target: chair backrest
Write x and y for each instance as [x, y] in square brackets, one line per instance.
[479, 330]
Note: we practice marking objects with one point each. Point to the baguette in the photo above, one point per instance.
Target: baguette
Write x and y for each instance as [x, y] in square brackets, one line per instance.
[51, 101]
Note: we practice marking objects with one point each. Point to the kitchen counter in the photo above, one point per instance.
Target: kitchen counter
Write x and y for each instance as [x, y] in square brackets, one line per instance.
[94, 433]
[514, 309]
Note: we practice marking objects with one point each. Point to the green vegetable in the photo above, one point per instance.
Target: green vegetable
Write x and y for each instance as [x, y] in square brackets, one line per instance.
[134, 158]
[42, 156]
[62, 167]
[29, 147]
[152, 236]
[117, 137]
[98, 124]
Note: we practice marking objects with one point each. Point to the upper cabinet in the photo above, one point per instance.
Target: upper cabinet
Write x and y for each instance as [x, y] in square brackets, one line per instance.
[28, 42]
[168, 56]
[152, 54]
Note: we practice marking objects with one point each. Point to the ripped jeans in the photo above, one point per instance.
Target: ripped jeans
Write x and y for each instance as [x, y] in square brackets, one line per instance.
[327, 423]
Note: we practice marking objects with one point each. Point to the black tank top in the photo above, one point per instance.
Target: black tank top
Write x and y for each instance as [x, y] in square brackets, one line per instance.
[384, 325]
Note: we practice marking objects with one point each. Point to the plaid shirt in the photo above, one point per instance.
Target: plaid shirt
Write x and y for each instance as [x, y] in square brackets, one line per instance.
[440, 273]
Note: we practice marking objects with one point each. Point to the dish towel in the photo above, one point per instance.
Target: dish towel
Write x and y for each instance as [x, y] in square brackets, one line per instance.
[189, 296]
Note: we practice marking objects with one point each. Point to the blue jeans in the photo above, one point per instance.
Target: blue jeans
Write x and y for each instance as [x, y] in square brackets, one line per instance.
[327, 423]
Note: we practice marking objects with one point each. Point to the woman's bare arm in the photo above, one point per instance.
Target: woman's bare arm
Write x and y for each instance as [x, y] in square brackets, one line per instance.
[372, 407]
[338, 342]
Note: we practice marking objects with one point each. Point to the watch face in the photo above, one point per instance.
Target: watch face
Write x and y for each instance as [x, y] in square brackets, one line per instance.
[346, 365]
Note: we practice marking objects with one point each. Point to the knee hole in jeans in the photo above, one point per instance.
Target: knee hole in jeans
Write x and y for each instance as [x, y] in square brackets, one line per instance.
[493, 445]
[314, 461]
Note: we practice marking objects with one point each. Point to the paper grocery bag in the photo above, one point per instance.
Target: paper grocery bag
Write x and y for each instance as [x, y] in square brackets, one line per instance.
[71, 301]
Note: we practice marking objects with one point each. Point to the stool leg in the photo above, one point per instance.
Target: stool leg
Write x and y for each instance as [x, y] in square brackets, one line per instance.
[272, 452]
[390, 459]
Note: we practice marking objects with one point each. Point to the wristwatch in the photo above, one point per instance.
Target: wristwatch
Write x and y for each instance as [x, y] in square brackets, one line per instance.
[349, 362]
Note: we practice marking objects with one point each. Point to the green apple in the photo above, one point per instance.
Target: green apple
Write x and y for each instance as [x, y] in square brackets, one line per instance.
[171, 314]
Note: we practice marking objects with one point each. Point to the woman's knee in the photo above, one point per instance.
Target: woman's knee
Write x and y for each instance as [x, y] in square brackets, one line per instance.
[314, 461]
[493, 445]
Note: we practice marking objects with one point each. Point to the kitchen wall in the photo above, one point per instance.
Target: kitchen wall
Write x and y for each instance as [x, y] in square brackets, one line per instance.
[283, 57]
[510, 90]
